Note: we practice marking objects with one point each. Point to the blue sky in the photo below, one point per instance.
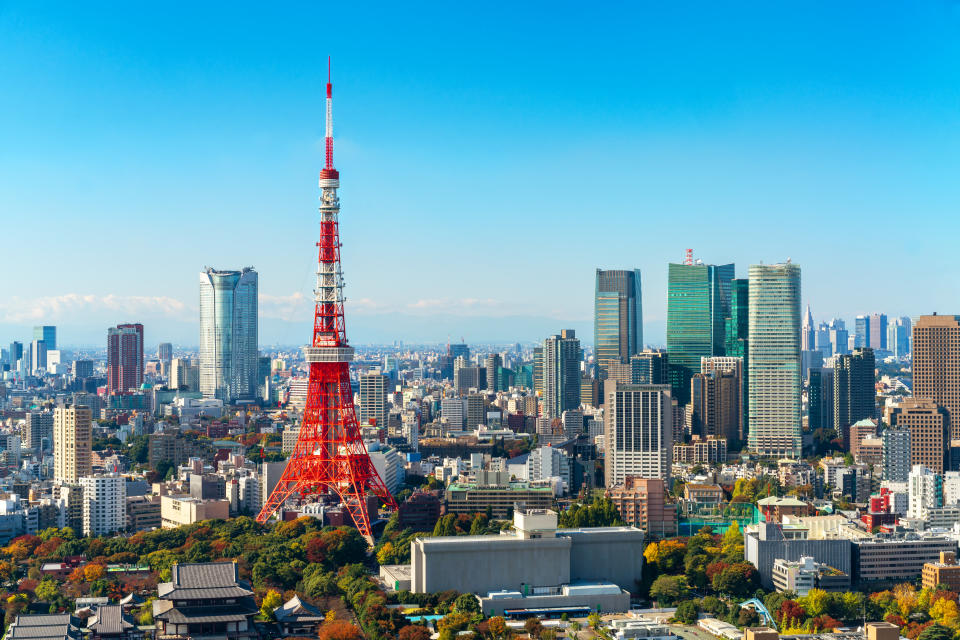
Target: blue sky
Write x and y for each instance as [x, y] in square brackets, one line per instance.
[492, 156]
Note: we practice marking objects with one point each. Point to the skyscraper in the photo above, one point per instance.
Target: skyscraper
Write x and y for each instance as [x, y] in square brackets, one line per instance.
[854, 390]
[698, 303]
[228, 334]
[878, 332]
[774, 360]
[48, 334]
[124, 358]
[898, 336]
[936, 365]
[638, 426]
[861, 335]
[39, 425]
[839, 336]
[165, 353]
[72, 441]
[617, 316]
[808, 334]
[38, 356]
[15, 354]
[561, 373]
[494, 364]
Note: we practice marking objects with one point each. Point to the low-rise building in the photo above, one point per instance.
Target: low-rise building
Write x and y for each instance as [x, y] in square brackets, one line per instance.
[946, 571]
[205, 601]
[802, 575]
[54, 626]
[642, 503]
[703, 493]
[467, 497]
[298, 618]
[774, 508]
[143, 513]
[897, 558]
[178, 510]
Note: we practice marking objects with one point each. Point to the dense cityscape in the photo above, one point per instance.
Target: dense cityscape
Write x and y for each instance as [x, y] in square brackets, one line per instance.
[760, 473]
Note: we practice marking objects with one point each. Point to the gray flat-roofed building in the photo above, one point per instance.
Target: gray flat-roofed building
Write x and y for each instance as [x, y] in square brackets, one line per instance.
[536, 554]
[766, 543]
[898, 559]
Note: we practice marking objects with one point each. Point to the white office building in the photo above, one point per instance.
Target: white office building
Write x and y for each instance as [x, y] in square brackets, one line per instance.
[638, 437]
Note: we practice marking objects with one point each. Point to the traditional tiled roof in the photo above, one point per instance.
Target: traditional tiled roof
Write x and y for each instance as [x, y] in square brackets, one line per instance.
[109, 619]
[208, 580]
[44, 627]
[188, 615]
[297, 610]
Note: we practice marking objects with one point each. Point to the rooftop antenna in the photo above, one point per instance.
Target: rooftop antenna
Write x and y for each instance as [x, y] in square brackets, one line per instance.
[688, 257]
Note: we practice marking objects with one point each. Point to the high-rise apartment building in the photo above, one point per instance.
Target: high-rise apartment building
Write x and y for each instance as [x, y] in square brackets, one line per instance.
[561, 373]
[896, 454]
[184, 374]
[728, 385]
[228, 334]
[38, 425]
[638, 426]
[104, 504]
[72, 442]
[48, 335]
[936, 365]
[854, 388]
[928, 424]
[374, 408]
[476, 410]
[643, 503]
[698, 304]
[774, 360]
[124, 358]
[617, 316]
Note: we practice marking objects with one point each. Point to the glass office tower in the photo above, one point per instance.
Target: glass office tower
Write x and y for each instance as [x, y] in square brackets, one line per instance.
[617, 317]
[228, 334]
[698, 304]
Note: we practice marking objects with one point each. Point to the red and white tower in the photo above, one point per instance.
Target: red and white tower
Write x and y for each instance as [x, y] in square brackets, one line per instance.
[330, 456]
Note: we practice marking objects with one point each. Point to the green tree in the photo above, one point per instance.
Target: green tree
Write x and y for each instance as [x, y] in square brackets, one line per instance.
[467, 603]
[739, 580]
[668, 589]
[936, 632]
[687, 612]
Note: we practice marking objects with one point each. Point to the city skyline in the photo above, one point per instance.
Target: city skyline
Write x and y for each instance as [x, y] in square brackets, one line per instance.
[668, 132]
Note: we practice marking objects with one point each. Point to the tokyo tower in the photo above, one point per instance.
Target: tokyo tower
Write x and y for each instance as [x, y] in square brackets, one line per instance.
[330, 456]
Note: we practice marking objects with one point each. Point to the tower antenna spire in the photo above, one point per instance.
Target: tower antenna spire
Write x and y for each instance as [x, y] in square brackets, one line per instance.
[328, 141]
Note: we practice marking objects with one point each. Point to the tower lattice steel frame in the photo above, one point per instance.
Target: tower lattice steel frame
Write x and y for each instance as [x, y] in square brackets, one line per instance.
[330, 455]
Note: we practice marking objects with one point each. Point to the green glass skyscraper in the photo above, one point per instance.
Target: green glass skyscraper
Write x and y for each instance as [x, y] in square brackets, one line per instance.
[698, 303]
[617, 317]
[774, 360]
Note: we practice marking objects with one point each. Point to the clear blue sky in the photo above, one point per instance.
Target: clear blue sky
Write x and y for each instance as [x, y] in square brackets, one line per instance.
[492, 156]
